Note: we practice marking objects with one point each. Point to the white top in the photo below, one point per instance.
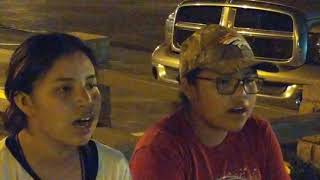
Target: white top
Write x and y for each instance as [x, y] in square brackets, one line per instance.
[112, 164]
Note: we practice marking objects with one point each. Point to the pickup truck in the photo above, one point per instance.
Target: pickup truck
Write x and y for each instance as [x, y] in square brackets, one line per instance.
[285, 33]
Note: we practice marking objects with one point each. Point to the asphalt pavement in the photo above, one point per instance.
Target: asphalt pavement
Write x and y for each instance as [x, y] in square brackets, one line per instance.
[136, 24]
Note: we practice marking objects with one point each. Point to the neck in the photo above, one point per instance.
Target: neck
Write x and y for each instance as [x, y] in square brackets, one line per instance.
[44, 149]
[208, 135]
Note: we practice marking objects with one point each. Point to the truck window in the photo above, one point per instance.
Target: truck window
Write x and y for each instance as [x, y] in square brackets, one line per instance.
[199, 14]
[266, 20]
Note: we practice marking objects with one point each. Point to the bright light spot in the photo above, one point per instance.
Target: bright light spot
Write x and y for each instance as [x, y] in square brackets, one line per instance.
[245, 7]
[137, 134]
[2, 94]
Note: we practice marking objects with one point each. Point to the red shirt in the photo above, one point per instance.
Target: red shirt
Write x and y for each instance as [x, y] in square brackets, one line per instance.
[171, 151]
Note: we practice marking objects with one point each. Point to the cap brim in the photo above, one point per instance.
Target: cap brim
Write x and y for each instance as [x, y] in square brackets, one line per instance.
[235, 64]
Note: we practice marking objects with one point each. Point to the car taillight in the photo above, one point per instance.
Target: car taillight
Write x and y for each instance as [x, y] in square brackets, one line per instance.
[314, 47]
[169, 28]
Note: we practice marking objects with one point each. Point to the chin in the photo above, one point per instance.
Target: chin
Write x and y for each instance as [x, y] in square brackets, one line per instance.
[236, 125]
[235, 129]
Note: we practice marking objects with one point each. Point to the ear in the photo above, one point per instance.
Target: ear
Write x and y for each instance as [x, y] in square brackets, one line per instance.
[24, 102]
[186, 88]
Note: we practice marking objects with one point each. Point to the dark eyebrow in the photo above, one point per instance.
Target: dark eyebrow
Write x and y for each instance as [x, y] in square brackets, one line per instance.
[92, 76]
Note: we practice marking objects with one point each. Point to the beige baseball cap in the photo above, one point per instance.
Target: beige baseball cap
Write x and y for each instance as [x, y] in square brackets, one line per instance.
[217, 48]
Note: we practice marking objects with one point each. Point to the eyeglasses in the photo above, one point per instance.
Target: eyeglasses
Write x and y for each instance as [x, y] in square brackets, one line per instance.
[228, 85]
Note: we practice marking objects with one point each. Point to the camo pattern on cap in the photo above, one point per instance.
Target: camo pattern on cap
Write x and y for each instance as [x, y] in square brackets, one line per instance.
[217, 48]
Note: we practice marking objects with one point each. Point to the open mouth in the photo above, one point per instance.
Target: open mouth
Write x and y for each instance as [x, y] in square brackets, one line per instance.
[84, 122]
[238, 110]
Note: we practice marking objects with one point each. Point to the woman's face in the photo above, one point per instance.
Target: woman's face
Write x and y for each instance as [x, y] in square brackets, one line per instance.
[227, 112]
[66, 101]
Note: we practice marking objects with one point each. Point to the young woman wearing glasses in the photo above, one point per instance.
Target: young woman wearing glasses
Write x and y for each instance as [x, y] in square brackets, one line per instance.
[213, 134]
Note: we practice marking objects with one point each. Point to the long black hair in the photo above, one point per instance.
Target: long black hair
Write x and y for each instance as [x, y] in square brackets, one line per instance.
[31, 60]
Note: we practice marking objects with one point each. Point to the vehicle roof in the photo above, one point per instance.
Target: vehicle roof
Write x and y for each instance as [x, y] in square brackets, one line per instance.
[310, 8]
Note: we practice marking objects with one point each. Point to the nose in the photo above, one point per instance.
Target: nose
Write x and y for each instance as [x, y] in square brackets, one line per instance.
[83, 98]
[240, 90]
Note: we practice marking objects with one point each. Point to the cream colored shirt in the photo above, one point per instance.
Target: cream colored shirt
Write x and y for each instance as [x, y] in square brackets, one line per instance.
[112, 164]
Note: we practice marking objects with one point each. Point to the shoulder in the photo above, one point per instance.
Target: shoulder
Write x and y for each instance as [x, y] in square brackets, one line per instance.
[166, 141]
[166, 133]
[4, 151]
[162, 151]
[2, 144]
[109, 153]
[112, 163]
[9, 167]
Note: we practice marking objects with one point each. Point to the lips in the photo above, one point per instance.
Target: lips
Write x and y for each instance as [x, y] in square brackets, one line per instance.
[238, 110]
[84, 122]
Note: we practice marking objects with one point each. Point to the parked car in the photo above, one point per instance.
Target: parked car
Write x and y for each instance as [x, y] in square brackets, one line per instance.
[285, 33]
